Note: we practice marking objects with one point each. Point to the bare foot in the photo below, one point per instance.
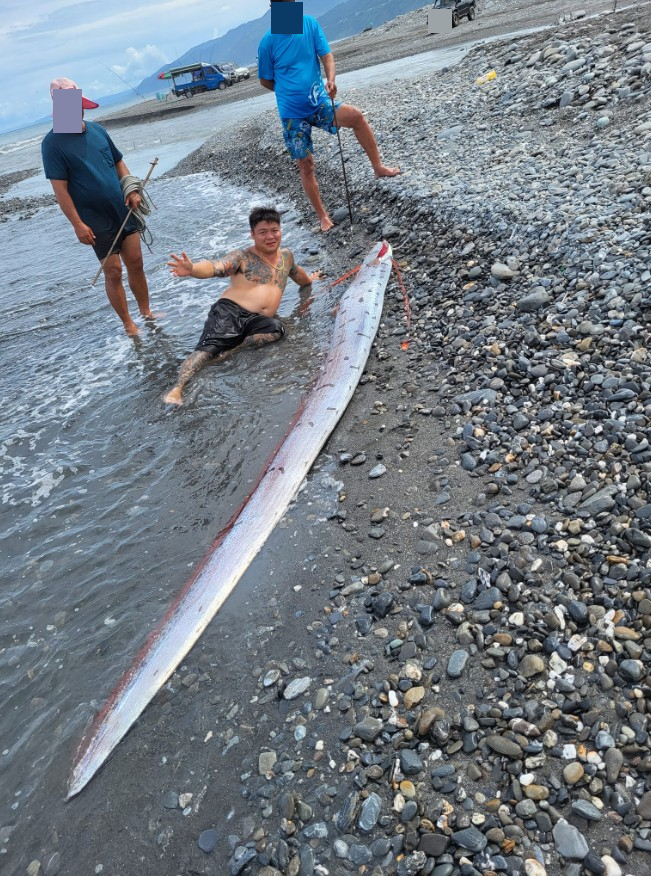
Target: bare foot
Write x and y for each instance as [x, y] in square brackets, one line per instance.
[386, 171]
[173, 397]
[326, 223]
[149, 315]
[131, 329]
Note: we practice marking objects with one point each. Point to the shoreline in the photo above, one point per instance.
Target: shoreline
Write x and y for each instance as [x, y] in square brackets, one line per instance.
[472, 628]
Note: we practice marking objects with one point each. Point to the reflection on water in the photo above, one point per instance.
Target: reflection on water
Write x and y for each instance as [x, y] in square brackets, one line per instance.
[108, 498]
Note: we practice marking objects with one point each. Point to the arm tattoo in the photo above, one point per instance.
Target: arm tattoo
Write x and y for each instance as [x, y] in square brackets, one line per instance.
[228, 265]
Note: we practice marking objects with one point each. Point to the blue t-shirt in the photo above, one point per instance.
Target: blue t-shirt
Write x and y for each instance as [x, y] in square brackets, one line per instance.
[292, 61]
[87, 162]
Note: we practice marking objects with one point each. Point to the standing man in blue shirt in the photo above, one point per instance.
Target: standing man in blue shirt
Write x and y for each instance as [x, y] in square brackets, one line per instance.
[288, 64]
[85, 171]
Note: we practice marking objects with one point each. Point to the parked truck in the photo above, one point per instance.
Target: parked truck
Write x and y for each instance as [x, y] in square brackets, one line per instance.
[195, 78]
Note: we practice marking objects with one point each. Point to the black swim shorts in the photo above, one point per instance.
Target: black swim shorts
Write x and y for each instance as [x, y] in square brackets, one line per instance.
[104, 239]
[228, 324]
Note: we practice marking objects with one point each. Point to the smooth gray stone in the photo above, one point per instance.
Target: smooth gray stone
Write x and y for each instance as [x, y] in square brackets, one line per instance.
[410, 762]
[569, 841]
[487, 599]
[208, 840]
[470, 838]
[601, 501]
[586, 810]
[457, 663]
[476, 396]
[377, 471]
[534, 301]
[368, 729]
[631, 670]
[360, 855]
[504, 746]
[370, 812]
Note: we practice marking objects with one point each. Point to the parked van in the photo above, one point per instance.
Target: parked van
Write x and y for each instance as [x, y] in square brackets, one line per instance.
[195, 78]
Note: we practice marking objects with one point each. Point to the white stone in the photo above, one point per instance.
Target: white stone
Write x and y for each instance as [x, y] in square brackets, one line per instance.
[576, 642]
[534, 868]
[557, 663]
[612, 867]
[413, 671]
[297, 687]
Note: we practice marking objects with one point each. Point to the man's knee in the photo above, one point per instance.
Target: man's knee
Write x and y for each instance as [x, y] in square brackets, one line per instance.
[113, 272]
[305, 166]
[350, 116]
[134, 264]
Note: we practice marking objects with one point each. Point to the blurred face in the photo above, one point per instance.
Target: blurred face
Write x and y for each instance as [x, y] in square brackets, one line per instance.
[266, 236]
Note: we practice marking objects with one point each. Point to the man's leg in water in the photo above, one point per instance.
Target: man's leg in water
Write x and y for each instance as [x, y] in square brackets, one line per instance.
[192, 365]
[131, 253]
[116, 294]
[198, 360]
[258, 340]
[311, 188]
[351, 117]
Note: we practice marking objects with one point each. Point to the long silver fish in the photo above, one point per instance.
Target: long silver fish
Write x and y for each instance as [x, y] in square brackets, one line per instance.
[235, 547]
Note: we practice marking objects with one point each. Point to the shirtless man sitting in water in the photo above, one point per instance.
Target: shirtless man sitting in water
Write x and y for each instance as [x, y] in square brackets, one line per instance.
[245, 314]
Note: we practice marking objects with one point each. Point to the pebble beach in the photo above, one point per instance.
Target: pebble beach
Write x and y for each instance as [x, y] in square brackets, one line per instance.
[482, 655]
[465, 689]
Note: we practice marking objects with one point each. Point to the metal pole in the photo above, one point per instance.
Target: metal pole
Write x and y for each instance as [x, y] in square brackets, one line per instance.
[343, 165]
[126, 219]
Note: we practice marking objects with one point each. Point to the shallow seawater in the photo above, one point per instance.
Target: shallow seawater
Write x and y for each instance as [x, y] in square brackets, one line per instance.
[108, 498]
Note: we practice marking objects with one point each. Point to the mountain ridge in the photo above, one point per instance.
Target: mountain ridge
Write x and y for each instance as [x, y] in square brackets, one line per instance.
[338, 19]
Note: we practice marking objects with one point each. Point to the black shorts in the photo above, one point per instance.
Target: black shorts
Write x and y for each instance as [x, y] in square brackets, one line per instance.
[104, 239]
[228, 324]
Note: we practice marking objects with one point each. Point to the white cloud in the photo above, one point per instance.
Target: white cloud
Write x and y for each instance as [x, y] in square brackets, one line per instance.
[84, 40]
[140, 62]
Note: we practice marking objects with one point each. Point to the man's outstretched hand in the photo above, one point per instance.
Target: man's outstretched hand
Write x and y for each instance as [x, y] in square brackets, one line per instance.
[181, 266]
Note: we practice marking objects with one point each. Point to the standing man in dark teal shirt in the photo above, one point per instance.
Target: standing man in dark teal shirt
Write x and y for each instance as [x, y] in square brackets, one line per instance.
[85, 171]
[288, 64]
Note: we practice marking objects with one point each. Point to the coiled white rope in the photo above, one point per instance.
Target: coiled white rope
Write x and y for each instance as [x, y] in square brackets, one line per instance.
[131, 184]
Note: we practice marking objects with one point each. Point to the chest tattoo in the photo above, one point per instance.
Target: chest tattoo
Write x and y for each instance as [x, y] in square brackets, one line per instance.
[259, 272]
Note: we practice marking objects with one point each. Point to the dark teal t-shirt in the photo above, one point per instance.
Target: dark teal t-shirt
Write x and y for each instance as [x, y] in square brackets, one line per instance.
[87, 162]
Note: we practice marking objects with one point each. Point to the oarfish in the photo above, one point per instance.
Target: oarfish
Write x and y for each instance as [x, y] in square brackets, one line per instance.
[235, 547]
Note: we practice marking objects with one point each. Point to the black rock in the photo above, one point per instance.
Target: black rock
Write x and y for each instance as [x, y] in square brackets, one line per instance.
[471, 839]
[410, 762]
[382, 604]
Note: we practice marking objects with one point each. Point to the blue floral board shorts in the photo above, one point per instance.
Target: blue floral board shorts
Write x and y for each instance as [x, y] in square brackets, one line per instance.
[298, 132]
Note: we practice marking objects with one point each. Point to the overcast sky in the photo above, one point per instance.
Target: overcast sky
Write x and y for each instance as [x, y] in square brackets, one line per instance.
[86, 41]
